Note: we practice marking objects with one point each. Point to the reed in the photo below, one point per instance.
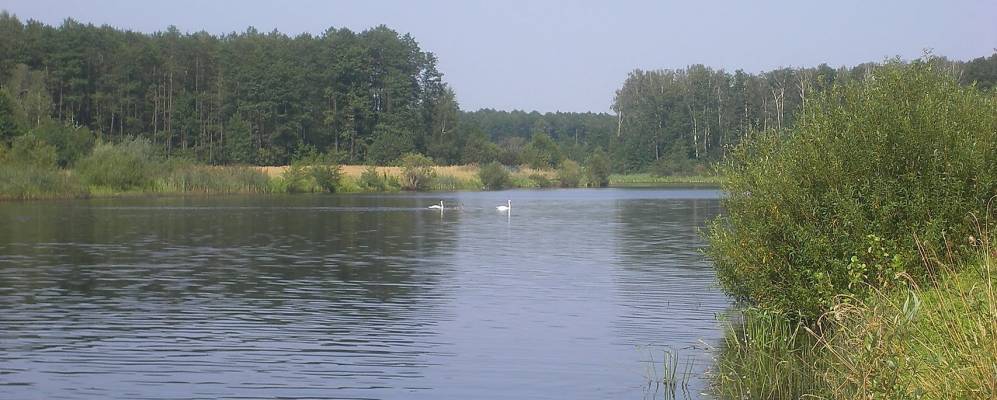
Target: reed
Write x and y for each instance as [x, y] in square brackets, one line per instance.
[209, 179]
[651, 180]
[766, 356]
[25, 182]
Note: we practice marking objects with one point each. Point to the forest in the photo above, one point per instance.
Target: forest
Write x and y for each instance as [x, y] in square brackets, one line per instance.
[370, 97]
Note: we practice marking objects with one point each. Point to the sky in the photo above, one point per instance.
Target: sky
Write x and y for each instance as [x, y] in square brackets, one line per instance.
[573, 55]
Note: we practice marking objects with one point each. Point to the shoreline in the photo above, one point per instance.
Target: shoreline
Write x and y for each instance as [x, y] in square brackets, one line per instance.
[206, 180]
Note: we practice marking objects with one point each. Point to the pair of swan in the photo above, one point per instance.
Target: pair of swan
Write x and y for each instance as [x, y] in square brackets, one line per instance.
[506, 207]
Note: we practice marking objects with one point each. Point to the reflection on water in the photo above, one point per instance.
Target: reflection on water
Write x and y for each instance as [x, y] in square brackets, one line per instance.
[357, 296]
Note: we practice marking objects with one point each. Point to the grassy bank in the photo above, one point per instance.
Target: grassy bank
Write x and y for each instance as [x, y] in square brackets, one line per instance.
[938, 341]
[117, 178]
[623, 180]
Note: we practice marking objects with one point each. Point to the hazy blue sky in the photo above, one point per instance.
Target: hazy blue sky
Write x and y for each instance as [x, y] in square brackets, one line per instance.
[573, 55]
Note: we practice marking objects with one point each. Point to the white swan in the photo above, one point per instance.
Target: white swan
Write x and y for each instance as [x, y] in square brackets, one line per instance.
[437, 207]
[506, 207]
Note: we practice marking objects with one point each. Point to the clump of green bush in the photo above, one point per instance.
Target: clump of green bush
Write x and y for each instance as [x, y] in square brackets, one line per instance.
[417, 172]
[569, 175]
[542, 181]
[130, 164]
[373, 181]
[494, 176]
[28, 171]
[598, 169]
[906, 156]
[311, 172]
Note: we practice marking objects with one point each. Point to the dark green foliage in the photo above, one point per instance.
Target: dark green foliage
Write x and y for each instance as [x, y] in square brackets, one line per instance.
[597, 170]
[479, 150]
[875, 170]
[130, 164]
[569, 174]
[8, 120]
[511, 151]
[248, 97]
[678, 163]
[417, 172]
[389, 145]
[982, 71]
[31, 151]
[238, 148]
[494, 176]
[71, 143]
[542, 152]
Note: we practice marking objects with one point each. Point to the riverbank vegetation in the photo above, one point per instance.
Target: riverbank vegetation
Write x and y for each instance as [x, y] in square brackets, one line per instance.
[855, 240]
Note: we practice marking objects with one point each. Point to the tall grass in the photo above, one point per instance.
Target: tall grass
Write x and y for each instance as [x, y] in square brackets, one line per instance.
[210, 179]
[936, 341]
[451, 183]
[933, 342]
[26, 182]
[766, 356]
[650, 179]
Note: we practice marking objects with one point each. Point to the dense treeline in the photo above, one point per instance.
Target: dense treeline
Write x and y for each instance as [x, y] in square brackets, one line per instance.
[577, 135]
[248, 97]
[697, 113]
[369, 97]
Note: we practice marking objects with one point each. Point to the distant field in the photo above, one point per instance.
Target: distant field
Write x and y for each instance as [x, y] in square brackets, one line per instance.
[457, 171]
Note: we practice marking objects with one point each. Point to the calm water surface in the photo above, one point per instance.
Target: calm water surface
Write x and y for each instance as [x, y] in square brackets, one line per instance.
[355, 296]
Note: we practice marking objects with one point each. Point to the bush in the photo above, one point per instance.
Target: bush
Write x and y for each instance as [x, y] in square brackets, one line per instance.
[127, 165]
[31, 151]
[494, 176]
[570, 174]
[371, 180]
[906, 155]
[542, 181]
[71, 142]
[542, 152]
[598, 170]
[417, 171]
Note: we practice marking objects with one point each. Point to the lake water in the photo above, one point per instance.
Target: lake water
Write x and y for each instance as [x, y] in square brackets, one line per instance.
[356, 296]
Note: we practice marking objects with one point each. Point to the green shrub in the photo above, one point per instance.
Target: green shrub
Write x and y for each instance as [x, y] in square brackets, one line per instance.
[295, 179]
[371, 180]
[494, 176]
[906, 155]
[598, 169]
[417, 172]
[71, 142]
[542, 181]
[9, 124]
[131, 164]
[542, 152]
[29, 150]
[569, 175]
